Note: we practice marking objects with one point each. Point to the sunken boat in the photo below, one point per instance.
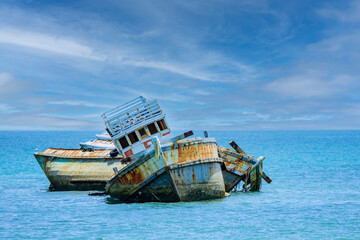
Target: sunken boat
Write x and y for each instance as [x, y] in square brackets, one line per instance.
[102, 141]
[138, 160]
[240, 168]
[161, 168]
[78, 169]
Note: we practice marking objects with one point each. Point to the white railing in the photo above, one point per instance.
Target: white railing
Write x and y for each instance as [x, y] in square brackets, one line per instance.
[131, 115]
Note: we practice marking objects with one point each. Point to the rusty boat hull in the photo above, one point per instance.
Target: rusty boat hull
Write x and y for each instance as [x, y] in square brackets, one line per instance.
[189, 170]
[241, 167]
[77, 169]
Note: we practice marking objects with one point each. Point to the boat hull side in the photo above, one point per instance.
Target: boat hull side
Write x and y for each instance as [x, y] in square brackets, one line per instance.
[135, 176]
[182, 175]
[256, 178]
[75, 174]
[158, 190]
[237, 165]
[199, 180]
[191, 181]
[231, 179]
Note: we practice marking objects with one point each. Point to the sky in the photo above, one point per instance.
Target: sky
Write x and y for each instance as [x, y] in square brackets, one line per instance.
[212, 65]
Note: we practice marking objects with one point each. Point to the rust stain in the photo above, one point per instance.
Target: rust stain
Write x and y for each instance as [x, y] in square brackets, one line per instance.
[211, 170]
[78, 153]
[193, 175]
[196, 151]
[134, 176]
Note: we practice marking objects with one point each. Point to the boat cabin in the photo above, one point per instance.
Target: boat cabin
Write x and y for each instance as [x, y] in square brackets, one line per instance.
[132, 125]
[97, 144]
[103, 141]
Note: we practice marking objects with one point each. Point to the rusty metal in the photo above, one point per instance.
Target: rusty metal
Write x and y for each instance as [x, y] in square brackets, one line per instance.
[77, 169]
[241, 167]
[187, 170]
[190, 149]
[198, 180]
[239, 150]
[256, 175]
[178, 169]
[77, 153]
[246, 180]
[179, 137]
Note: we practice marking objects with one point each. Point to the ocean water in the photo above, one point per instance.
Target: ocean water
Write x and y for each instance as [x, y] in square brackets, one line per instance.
[315, 194]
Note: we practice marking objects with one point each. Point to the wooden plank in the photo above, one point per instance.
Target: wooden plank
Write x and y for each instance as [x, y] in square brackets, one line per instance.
[236, 147]
[266, 177]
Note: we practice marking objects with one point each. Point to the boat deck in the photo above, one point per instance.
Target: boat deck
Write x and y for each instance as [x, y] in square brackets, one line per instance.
[78, 153]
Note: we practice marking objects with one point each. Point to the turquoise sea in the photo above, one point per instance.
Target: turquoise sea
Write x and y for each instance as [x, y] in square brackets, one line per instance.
[315, 194]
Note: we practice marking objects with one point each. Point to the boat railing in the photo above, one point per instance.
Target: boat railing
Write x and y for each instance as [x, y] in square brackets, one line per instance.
[125, 118]
[124, 107]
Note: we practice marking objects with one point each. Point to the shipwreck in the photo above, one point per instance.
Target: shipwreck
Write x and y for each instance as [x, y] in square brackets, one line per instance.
[138, 159]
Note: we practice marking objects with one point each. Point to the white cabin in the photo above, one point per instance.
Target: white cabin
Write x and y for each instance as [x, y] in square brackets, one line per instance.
[97, 144]
[132, 125]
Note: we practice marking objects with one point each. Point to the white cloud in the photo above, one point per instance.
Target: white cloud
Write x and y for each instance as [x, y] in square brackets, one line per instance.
[69, 47]
[349, 15]
[5, 108]
[32, 120]
[305, 118]
[5, 78]
[47, 43]
[310, 84]
[11, 86]
[81, 103]
[174, 68]
[168, 96]
[341, 45]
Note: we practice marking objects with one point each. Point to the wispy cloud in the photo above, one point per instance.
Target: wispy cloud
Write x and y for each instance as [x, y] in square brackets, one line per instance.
[155, 94]
[81, 104]
[69, 47]
[235, 64]
[349, 14]
[48, 122]
[311, 84]
[171, 67]
[10, 86]
[45, 42]
[5, 108]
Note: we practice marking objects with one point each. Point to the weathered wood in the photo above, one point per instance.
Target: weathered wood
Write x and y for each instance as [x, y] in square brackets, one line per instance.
[236, 147]
[266, 177]
[194, 173]
[206, 134]
[180, 137]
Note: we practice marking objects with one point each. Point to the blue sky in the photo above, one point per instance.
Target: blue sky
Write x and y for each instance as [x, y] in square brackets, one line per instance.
[211, 64]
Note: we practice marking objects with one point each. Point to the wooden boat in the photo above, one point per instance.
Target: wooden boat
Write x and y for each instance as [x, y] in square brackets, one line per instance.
[141, 161]
[97, 144]
[132, 125]
[102, 141]
[240, 167]
[184, 170]
[180, 170]
[78, 169]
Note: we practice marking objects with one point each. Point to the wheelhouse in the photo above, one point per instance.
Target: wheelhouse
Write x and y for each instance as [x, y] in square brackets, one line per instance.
[132, 125]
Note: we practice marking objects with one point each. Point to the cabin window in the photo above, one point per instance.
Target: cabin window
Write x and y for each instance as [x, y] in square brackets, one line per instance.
[161, 124]
[133, 137]
[152, 128]
[142, 133]
[123, 142]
